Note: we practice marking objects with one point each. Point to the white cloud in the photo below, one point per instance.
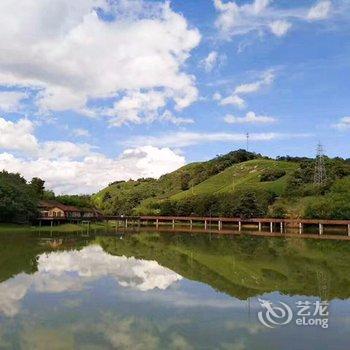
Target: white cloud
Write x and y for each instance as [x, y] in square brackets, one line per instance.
[93, 172]
[234, 100]
[64, 150]
[78, 167]
[344, 123]
[137, 107]
[320, 11]
[143, 107]
[10, 101]
[185, 139]
[68, 53]
[260, 16]
[169, 117]
[212, 60]
[280, 27]
[81, 132]
[17, 135]
[266, 79]
[249, 118]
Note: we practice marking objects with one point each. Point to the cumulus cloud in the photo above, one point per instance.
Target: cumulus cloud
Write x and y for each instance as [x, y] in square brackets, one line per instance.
[94, 171]
[68, 53]
[234, 100]
[266, 79]
[344, 123]
[213, 60]
[320, 11]
[171, 118]
[145, 107]
[78, 167]
[249, 118]
[261, 17]
[63, 150]
[10, 101]
[17, 135]
[280, 27]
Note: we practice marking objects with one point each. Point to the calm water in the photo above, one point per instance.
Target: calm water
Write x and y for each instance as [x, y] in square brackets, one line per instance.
[170, 291]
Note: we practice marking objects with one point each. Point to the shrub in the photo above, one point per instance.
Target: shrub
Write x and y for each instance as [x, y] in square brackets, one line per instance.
[272, 175]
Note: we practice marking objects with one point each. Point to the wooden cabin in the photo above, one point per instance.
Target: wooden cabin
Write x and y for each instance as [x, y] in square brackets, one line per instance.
[54, 210]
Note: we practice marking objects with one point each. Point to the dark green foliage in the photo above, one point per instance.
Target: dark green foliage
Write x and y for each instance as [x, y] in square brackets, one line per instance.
[300, 184]
[329, 207]
[249, 206]
[48, 195]
[38, 187]
[278, 212]
[245, 204]
[334, 205]
[18, 201]
[272, 175]
[77, 200]
[185, 181]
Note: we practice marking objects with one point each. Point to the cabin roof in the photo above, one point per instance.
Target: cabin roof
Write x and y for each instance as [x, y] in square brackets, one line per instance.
[49, 204]
[54, 204]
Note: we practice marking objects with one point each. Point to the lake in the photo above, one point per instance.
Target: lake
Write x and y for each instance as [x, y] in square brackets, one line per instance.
[173, 291]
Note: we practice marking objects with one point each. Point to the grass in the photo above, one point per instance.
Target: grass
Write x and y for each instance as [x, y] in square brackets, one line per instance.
[242, 176]
[65, 228]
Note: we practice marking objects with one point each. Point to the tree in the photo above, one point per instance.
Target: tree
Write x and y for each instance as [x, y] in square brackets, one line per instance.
[185, 181]
[38, 187]
[17, 203]
[249, 206]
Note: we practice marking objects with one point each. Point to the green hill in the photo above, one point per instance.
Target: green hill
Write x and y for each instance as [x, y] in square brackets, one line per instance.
[123, 197]
[236, 184]
[242, 176]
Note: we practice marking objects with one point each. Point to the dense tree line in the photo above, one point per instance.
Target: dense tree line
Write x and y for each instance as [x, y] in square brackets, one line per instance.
[245, 204]
[301, 183]
[76, 200]
[18, 198]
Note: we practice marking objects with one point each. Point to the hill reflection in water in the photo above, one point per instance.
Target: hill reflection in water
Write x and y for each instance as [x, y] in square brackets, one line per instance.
[176, 291]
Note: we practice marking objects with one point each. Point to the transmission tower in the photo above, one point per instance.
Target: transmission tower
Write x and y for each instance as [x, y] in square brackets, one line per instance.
[320, 176]
[247, 136]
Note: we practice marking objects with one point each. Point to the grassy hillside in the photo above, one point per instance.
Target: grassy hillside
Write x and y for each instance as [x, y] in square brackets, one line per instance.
[243, 176]
[237, 184]
[122, 197]
[165, 187]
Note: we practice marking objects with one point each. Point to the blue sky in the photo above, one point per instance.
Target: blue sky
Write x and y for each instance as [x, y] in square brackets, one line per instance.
[124, 89]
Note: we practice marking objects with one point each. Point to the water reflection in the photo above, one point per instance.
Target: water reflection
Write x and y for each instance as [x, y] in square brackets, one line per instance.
[152, 291]
[72, 271]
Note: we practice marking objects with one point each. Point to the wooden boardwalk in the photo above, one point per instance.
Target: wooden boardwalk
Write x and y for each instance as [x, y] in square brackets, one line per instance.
[260, 226]
[230, 225]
